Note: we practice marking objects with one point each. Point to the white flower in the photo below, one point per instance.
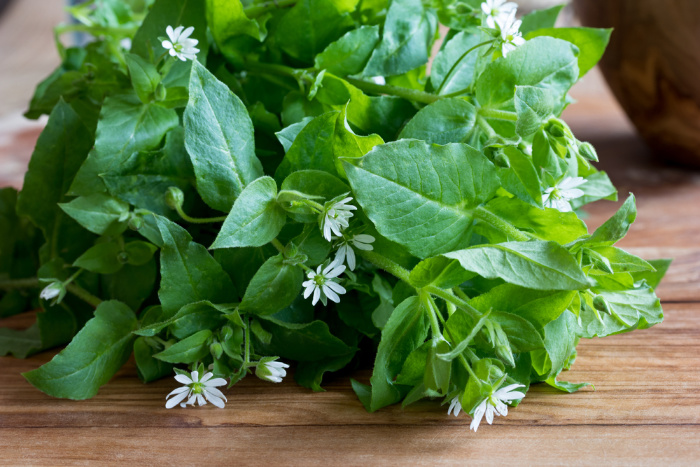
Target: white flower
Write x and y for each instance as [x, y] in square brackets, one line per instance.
[196, 389]
[336, 216]
[510, 33]
[52, 290]
[271, 371]
[180, 45]
[495, 404]
[361, 242]
[558, 196]
[497, 9]
[322, 285]
[455, 407]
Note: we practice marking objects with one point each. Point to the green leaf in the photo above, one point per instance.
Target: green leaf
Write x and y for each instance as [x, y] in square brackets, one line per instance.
[383, 115]
[273, 287]
[149, 369]
[307, 342]
[188, 272]
[139, 253]
[126, 126]
[61, 148]
[187, 350]
[20, 343]
[349, 54]
[92, 358]
[316, 185]
[408, 34]
[132, 284]
[310, 374]
[439, 272]
[99, 213]
[654, 278]
[347, 144]
[565, 386]
[144, 177]
[144, 77]
[637, 308]
[522, 335]
[521, 177]
[287, 135]
[615, 228]
[422, 195]
[312, 149]
[219, 139]
[545, 224]
[540, 19]
[536, 264]
[102, 258]
[590, 41]
[534, 106]
[227, 20]
[622, 261]
[597, 186]
[189, 320]
[445, 121]
[310, 25]
[560, 341]
[452, 71]
[256, 218]
[405, 331]
[543, 62]
[537, 306]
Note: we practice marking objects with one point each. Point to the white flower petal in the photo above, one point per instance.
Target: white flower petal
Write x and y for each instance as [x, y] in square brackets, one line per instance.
[455, 407]
[200, 400]
[351, 258]
[338, 270]
[572, 193]
[179, 390]
[478, 415]
[330, 294]
[317, 295]
[184, 379]
[186, 33]
[571, 182]
[195, 376]
[167, 44]
[336, 287]
[489, 414]
[175, 400]
[217, 401]
[215, 392]
[310, 286]
[277, 364]
[216, 382]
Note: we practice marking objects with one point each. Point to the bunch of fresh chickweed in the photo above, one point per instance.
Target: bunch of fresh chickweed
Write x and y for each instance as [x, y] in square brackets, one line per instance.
[224, 186]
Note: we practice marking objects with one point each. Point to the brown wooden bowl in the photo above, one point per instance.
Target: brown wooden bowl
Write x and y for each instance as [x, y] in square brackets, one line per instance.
[653, 67]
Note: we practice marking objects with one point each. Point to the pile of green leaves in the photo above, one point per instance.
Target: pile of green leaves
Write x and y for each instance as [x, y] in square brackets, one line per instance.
[178, 205]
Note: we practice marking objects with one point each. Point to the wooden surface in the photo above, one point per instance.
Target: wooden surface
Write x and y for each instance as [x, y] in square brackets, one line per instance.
[645, 409]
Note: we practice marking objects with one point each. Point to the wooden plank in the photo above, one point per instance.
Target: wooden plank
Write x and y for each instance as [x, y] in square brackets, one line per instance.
[646, 408]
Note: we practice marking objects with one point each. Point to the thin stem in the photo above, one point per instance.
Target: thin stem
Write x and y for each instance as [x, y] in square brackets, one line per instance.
[434, 324]
[12, 284]
[504, 226]
[469, 369]
[84, 295]
[460, 293]
[277, 244]
[246, 363]
[386, 264]
[259, 10]
[406, 93]
[195, 220]
[484, 125]
[454, 66]
[499, 114]
[448, 297]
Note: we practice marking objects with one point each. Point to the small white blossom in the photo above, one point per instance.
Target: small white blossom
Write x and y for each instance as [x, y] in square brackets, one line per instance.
[510, 33]
[455, 407]
[180, 45]
[336, 217]
[560, 195]
[271, 371]
[322, 285]
[495, 404]
[378, 80]
[52, 290]
[497, 9]
[345, 251]
[197, 390]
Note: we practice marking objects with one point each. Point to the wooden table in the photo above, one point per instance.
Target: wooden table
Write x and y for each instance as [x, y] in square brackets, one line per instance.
[645, 409]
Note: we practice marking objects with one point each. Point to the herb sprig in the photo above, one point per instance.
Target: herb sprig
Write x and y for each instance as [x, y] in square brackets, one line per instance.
[225, 184]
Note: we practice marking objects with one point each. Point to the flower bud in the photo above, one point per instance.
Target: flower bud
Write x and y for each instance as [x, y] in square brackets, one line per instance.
[216, 350]
[268, 369]
[501, 160]
[587, 151]
[174, 197]
[601, 304]
[55, 290]
[161, 92]
[135, 222]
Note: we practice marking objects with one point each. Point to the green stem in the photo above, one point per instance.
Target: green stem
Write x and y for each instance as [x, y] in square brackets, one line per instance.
[454, 66]
[410, 94]
[434, 324]
[277, 244]
[195, 220]
[84, 295]
[246, 363]
[386, 264]
[469, 370]
[448, 297]
[12, 284]
[259, 10]
[96, 30]
[460, 293]
[484, 125]
[504, 226]
[498, 114]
